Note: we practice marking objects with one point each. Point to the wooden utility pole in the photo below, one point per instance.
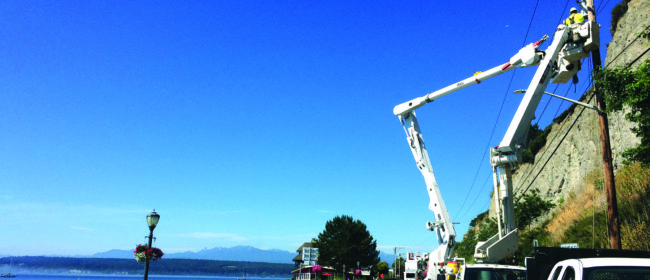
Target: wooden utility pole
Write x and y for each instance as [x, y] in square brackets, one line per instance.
[612, 205]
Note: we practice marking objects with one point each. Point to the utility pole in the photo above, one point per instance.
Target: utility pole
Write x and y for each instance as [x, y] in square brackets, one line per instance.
[612, 205]
[395, 263]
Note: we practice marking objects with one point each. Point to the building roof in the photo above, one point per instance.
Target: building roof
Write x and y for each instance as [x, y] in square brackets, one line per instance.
[306, 244]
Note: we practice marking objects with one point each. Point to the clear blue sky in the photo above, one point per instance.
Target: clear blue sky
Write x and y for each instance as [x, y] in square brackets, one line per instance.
[250, 122]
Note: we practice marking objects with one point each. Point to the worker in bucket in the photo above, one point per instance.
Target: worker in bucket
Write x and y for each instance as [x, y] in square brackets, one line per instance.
[574, 17]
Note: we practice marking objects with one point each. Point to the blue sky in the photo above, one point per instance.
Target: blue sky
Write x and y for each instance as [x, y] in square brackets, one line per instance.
[250, 122]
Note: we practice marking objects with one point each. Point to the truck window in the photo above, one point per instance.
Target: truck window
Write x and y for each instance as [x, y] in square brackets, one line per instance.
[618, 273]
[569, 274]
[494, 274]
[556, 273]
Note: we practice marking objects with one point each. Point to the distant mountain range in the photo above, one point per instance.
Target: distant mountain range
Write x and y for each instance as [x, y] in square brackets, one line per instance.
[237, 253]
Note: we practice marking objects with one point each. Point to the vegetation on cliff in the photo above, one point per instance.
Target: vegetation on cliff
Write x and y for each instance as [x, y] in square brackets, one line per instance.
[622, 88]
[582, 218]
[617, 13]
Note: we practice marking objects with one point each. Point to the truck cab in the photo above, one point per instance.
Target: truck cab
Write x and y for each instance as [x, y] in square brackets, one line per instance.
[601, 269]
[489, 271]
[551, 263]
[493, 272]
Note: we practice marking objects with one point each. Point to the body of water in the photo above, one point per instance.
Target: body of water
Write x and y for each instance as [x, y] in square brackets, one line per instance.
[36, 276]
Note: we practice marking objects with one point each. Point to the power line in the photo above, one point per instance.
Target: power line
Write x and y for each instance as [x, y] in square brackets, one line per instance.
[553, 153]
[628, 45]
[503, 102]
[589, 84]
[499, 114]
[601, 7]
[543, 111]
[559, 129]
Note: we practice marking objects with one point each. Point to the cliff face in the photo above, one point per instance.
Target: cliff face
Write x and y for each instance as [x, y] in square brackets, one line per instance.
[573, 148]
[627, 46]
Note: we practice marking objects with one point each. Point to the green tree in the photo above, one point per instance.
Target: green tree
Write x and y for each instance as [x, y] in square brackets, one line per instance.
[382, 268]
[531, 208]
[465, 248]
[617, 13]
[526, 242]
[483, 231]
[344, 242]
[478, 219]
[535, 142]
[398, 266]
[624, 88]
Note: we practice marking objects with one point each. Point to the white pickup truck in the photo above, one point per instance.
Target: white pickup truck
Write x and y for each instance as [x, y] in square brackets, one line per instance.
[602, 269]
[588, 264]
[562, 264]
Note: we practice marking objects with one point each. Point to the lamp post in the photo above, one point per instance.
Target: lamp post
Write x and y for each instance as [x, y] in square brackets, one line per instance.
[152, 221]
[358, 270]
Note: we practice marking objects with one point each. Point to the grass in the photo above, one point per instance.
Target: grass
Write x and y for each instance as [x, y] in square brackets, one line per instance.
[576, 207]
[582, 218]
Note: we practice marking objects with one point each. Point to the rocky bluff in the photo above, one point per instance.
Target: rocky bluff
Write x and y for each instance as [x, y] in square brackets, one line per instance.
[573, 154]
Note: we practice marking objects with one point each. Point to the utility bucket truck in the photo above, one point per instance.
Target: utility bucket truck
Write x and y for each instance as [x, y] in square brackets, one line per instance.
[559, 63]
[411, 266]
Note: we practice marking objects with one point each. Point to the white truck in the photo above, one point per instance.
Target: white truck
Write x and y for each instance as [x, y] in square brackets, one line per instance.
[411, 266]
[588, 264]
[601, 269]
[559, 63]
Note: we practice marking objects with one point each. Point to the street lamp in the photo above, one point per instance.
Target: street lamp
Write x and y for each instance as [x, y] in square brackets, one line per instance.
[358, 269]
[593, 107]
[152, 221]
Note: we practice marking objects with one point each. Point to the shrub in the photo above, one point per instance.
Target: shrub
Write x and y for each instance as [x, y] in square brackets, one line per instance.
[526, 247]
[531, 208]
[617, 13]
[626, 88]
[536, 141]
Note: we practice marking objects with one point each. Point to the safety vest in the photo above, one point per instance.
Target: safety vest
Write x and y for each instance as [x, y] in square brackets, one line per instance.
[574, 18]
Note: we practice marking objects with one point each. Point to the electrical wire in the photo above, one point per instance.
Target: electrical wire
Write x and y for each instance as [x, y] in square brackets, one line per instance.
[498, 117]
[561, 140]
[525, 178]
[590, 84]
[553, 152]
[543, 111]
[601, 7]
[628, 45]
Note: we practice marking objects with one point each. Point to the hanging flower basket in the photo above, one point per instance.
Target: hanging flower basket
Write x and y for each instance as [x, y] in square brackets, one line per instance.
[143, 253]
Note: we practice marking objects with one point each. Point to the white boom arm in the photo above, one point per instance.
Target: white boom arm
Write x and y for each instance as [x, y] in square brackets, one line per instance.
[560, 64]
[443, 225]
[527, 56]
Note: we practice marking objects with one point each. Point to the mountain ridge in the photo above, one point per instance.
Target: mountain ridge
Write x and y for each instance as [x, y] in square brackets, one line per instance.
[239, 253]
[236, 253]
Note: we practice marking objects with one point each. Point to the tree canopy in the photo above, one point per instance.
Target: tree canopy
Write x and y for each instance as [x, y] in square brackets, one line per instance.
[344, 242]
[382, 268]
[532, 207]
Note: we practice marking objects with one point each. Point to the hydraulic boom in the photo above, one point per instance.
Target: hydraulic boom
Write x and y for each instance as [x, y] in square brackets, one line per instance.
[558, 64]
[443, 225]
